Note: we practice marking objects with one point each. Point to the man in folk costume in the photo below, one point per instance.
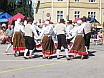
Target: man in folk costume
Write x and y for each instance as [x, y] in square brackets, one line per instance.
[60, 31]
[87, 31]
[18, 40]
[30, 31]
[48, 47]
[78, 46]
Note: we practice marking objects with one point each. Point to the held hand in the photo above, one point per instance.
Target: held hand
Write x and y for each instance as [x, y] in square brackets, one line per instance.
[39, 39]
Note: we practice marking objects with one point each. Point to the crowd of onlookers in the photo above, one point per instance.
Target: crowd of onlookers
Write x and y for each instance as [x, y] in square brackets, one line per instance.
[98, 34]
[6, 32]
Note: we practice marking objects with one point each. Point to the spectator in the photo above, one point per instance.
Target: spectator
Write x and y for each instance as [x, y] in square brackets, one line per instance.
[9, 33]
[103, 32]
[100, 35]
[3, 35]
[4, 25]
[94, 31]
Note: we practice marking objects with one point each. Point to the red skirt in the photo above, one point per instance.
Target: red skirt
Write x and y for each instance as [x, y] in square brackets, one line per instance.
[38, 46]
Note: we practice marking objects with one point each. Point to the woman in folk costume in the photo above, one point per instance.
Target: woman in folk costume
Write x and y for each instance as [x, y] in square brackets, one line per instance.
[61, 37]
[38, 31]
[48, 47]
[78, 46]
[69, 27]
[18, 40]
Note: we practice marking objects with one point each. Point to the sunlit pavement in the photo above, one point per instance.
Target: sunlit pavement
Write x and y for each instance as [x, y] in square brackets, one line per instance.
[18, 67]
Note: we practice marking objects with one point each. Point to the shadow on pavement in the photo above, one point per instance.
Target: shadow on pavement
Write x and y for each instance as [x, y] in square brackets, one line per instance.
[91, 53]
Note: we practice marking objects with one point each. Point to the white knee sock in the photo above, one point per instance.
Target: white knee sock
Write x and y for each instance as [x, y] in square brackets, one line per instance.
[58, 52]
[26, 50]
[9, 45]
[30, 52]
[66, 52]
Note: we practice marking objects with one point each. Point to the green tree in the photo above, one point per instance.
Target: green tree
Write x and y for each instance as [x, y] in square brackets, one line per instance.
[3, 5]
[23, 7]
[7, 6]
[13, 7]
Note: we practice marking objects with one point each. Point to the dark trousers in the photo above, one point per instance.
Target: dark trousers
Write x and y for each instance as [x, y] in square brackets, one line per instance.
[29, 42]
[87, 40]
[62, 41]
[68, 40]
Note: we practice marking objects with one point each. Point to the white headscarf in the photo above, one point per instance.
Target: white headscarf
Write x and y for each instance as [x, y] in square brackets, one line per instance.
[46, 22]
[79, 21]
[3, 25]
[19, 20]
[16, 23]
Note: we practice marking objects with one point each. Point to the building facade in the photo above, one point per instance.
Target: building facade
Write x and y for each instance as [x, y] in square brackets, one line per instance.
[68, 9]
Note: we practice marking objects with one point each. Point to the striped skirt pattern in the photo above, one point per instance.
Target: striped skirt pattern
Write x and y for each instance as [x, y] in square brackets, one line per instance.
[79, 46]
[48, 47]
[18, 42]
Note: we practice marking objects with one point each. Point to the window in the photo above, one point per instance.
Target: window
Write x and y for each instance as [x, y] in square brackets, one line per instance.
[76, 0]
[60, 0]
[59, 15]
[92, 14]
[77, 14]
[91, 0]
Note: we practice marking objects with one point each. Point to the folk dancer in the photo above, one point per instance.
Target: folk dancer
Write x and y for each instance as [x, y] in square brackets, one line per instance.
[78, 46]
[61, 37]
[30, 32]
[48, 47]
[38, 30]
[69, 27]
[87, 31]
[18, 40]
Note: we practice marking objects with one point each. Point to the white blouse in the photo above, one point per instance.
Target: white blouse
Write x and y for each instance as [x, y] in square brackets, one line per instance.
[60, 28]
[19, 28]
[46, 30]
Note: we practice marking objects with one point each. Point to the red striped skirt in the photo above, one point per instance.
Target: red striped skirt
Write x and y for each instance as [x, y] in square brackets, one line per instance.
[48, 47]
[79, 46]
